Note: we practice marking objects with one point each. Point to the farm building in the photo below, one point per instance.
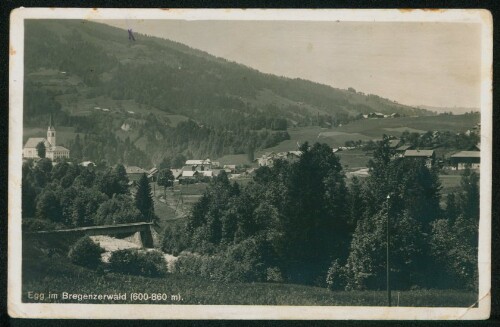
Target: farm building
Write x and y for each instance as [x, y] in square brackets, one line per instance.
[176, 172]
[134, 173]
[393, 144]
[229, 168]
[193, 171]
[153, 174]
[427, 155]
[205, 164]
[464, 159]
[402, 149]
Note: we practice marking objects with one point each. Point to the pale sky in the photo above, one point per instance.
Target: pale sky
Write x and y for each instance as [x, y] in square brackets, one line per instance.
[433, 64]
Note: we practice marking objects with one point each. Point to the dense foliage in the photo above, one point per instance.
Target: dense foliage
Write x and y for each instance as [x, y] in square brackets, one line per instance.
[135, 262]
[303, 222]
[85, 253]
[66, 194]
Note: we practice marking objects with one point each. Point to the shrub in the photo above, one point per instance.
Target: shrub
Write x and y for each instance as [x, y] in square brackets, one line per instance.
[86, 253]
[188, 264]
[244, 262]
[33, 225]
[336, 276]
[174, 239]
[274, 275]
[135, 262]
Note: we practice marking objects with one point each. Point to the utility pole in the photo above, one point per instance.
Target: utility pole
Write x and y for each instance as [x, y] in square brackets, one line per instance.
[387, 252]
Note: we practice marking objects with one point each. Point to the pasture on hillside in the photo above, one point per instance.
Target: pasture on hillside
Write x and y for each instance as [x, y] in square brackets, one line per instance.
[373, 129]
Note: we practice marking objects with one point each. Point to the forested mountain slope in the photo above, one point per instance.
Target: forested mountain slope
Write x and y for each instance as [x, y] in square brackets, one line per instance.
[75, 69]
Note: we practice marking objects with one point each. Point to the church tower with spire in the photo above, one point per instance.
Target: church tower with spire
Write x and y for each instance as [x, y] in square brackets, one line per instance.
[51, 134]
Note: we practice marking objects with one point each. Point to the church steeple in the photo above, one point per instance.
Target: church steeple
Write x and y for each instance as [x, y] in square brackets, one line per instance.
[51, 133]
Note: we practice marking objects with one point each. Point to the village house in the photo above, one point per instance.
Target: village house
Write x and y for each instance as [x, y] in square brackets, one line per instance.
[153, 174]
[202, 164]
[400, 151]
[427, 155]
[463, 159]
[52, 150]
[394, 144]
[134, 173]
[229, 168]
[176, 173]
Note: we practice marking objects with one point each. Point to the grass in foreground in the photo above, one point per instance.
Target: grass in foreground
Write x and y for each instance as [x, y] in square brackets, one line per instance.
[56, 275]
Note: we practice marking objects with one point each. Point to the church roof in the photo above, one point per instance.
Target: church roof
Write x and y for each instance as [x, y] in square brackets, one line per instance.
[33, 142]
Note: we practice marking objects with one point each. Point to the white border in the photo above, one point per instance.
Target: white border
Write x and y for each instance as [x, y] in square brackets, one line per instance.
[143, 311]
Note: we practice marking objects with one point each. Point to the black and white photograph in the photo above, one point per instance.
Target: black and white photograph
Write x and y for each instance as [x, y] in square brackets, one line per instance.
[250, 164]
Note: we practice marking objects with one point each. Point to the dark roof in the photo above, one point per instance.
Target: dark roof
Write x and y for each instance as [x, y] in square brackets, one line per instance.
[403, 148]
[419, 153]
[467, 154]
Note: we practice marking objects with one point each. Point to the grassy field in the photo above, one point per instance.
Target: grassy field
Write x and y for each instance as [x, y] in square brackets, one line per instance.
[354, 159]
[365, 130]
[178, 202]
[56, 275]
[396, 126]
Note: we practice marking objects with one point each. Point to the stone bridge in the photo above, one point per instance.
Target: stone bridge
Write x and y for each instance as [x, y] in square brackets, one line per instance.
[143, 229]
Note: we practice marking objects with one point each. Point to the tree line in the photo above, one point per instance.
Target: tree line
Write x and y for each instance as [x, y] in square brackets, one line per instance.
[305, 222]
[69, 195]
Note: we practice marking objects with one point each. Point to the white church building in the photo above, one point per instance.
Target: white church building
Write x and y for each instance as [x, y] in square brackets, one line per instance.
[52, 151]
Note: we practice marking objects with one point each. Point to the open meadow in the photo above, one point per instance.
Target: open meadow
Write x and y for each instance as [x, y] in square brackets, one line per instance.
[42, 274]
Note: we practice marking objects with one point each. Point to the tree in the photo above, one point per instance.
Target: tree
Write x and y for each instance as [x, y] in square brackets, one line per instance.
[469, 197]
[366, 264]
[454, 240]
[454, 248]
[40, 150]
[165, 163]
[165, 179]
[84, 207]
[48, 207]
[29, 191]
[118, 210]
[144, 199]
[76, 148]
[356, 205]
[315, 213]
[121, 179]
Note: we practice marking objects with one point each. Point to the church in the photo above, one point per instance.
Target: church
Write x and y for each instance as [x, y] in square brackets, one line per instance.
[52, 151]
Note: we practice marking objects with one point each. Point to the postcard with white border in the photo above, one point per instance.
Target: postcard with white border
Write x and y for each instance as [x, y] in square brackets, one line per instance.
[250, 164]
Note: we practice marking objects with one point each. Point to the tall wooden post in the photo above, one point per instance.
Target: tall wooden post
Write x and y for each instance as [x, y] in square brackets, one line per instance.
[387, 251]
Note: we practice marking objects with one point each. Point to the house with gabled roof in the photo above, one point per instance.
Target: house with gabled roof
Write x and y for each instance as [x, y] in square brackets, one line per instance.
[464, 159]
[427, 155]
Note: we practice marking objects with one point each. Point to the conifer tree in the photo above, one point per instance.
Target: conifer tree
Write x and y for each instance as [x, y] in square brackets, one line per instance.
[144, 199]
